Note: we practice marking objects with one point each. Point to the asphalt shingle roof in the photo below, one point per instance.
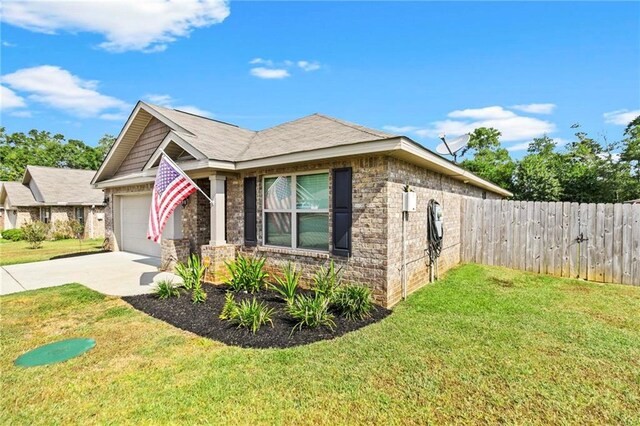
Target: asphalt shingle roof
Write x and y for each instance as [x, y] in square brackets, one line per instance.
[68, 186]
[19, 195]
[223, 141]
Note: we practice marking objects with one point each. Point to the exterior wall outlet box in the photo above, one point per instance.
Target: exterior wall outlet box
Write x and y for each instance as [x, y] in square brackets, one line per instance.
[100, 216]
[409, 201]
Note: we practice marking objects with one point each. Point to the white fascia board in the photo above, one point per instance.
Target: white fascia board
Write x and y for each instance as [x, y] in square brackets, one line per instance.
[175, 138]
[149, 175]
[362, 148]
[450, 169]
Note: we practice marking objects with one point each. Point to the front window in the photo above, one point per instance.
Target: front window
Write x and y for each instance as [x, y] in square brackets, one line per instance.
[297, 218]
[45, 214]
[80, 215]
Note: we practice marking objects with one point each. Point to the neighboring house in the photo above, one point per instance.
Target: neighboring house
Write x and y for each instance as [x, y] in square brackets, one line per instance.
[306, 191]
[49, 194]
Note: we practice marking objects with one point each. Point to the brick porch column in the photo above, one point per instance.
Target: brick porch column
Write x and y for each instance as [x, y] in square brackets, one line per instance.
[217, 210]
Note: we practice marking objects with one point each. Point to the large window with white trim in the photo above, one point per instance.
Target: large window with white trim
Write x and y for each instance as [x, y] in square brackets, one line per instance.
[296, 211]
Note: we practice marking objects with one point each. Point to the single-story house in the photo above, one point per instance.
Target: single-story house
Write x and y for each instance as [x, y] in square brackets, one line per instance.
[51, 194]
[307, 191]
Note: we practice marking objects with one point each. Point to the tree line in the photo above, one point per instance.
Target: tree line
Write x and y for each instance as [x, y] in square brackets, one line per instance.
[41, 148]
[585, 170]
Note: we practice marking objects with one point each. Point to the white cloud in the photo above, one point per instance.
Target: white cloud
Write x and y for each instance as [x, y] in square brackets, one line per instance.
[487, 113]
[621, 117]
[535, 108]
[168, 102]
[10, 100]
[21, 114]
[8, 44]
[309, 66]
[513, 127]
[277, 70]
[58, 88]
[401, 129]
[148, 25]
[270, 73]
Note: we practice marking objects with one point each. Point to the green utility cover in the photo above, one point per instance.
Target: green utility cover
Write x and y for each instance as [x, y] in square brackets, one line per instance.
[55, 352]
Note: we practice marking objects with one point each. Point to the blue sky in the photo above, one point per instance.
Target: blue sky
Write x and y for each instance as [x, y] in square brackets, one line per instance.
[414, 68]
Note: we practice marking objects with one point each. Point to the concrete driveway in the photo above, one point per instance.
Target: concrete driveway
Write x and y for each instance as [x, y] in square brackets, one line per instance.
[115, 274]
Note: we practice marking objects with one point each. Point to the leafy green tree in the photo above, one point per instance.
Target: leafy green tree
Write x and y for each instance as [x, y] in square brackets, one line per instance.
[104, 145]
[42, 148]
[488, 159]
[536, 177]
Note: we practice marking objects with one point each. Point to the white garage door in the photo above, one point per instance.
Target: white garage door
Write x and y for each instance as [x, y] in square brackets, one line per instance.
[135, 219]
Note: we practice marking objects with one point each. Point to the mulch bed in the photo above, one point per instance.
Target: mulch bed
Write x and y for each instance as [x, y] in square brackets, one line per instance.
[202, 319]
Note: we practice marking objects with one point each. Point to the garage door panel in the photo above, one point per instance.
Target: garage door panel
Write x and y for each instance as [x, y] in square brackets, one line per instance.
[134, 221]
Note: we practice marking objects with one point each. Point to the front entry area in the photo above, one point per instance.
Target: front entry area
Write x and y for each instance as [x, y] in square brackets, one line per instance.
[133, 221]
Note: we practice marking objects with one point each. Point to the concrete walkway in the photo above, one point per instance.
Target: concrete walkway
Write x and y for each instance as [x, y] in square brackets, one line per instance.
[115, 274]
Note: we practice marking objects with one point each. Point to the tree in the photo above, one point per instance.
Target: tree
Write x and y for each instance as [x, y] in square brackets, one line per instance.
[489, 160]
[536, 177]
[104, 145]
[42, 148]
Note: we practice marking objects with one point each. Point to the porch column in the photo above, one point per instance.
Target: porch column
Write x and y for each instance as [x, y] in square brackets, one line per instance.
[217, 210]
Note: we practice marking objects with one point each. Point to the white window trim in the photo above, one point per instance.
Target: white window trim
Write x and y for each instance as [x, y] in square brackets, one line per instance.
[293, 211]
[43, 217]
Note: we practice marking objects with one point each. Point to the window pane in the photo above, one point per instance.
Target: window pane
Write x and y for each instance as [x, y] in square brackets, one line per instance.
[278, 229]
[313, 231]
[277, 192]
[312, 191]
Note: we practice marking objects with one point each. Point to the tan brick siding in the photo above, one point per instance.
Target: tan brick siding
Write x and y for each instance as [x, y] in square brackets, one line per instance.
[146, 144]
[427, 185]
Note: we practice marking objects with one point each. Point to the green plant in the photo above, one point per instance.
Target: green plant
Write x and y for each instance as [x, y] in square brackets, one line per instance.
[288, 284]
[13, 234]
[326, 280]
[35, 233]
[191, 272]
[353, 302]
[61, 230]
[198, 295]
[247, 274]
[230, 307]
[311, 312]
[252, 314]
[166, 289]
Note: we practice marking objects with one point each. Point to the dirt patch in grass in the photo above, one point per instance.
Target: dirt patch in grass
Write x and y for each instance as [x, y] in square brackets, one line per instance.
[202, 319]
[502, 282]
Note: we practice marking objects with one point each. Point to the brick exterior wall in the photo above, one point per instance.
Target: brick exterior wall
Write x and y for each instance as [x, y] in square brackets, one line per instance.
[173, 251]
[196, 218]
[427, 185]
[369, 234]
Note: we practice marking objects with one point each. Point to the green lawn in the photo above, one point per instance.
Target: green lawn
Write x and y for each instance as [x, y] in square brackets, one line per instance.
[483, 345]
[12, 252]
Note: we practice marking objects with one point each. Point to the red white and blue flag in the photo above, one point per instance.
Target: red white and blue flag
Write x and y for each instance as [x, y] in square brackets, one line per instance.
[172, 186]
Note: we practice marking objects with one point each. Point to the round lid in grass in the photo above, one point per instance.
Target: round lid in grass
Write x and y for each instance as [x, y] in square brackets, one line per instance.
[55, 352]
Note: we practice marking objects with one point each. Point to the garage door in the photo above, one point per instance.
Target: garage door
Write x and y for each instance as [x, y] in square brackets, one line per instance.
[134, 222]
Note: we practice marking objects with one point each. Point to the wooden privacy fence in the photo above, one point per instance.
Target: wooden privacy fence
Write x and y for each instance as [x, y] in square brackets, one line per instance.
[597, 242]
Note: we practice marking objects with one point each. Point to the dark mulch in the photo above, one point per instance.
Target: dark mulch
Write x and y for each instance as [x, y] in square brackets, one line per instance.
[202, 319]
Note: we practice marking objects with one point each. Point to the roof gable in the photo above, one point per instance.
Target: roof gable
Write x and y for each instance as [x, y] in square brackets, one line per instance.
[63, 186]
[19, 195]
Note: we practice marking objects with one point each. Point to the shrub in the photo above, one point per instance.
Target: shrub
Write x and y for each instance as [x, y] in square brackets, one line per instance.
[311, 312]
[35, 233]
[353, 302]
[166, 289]
[326, 280]
[230, 307]
[61, 230]
[13, 234]
[191, 272]
[247, 274]
[198, 295]
[288, 284]
[251, 314]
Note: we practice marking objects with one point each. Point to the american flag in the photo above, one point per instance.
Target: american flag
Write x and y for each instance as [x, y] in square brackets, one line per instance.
[172, 186]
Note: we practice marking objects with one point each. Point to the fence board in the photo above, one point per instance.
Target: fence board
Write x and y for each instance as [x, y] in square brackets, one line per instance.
[607, 261]
[544, 237]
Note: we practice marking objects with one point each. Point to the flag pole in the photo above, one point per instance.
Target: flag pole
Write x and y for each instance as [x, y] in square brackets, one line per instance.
[166, 157]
